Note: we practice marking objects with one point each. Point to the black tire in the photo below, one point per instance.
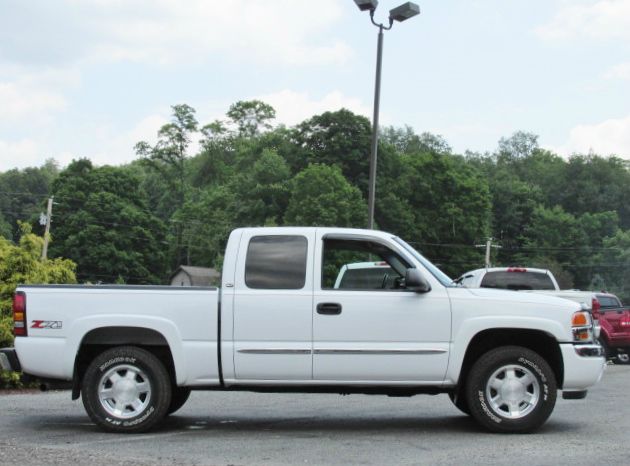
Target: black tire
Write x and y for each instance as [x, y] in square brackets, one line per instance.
[179, 396]
[126, 389]
[459, 400]
[511, 389]
[607, 353]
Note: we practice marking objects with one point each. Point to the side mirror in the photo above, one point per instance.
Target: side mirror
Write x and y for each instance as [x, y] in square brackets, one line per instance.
[416, 282]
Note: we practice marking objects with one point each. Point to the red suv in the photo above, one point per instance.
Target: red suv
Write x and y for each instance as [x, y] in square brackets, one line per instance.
[614, 320]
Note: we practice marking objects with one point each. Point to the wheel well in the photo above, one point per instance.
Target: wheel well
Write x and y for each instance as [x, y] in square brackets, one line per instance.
[101, 339]
[540, 342]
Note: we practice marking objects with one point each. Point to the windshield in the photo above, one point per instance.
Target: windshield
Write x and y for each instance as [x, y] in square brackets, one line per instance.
[437, 273]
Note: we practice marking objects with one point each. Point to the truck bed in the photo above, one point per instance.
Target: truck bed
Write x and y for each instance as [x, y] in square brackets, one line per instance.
[58, 316]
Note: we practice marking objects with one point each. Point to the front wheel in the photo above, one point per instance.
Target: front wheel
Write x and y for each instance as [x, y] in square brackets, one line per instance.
[511, 389]
[459, 400]
[179, 397]
[126, 389]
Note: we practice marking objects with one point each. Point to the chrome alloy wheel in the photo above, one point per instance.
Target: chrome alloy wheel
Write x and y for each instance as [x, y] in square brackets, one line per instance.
[513, 391]
[124, 391]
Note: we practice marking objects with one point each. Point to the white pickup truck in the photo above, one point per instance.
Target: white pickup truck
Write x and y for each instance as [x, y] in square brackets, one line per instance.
[540, 281]
[282, 323]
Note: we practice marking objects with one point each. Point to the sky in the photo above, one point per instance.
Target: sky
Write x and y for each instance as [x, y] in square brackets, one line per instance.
[90, 78]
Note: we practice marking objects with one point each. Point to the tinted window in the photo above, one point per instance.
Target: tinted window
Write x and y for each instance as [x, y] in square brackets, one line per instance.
[376, 277]
[517, 281]
[276, 262]
[608, 302]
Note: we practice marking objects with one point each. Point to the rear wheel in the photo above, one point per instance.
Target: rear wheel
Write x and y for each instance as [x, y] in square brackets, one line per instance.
[604, 345]
[126, 389]
[511, 389]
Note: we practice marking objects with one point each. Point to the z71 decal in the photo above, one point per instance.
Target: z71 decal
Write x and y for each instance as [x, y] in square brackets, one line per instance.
[49, 324]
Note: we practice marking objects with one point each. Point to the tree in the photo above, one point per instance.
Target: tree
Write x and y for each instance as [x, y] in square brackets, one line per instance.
[321, 196]
[406, 141]
[338, 138]
[21, 264]
[451, 204]
[519, 145]
[102, 222]
[614, 264]
[23, 195]
[168, 158]
[251, 117]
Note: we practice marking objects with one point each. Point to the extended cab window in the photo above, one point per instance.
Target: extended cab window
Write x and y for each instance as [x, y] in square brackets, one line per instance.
[361, 265]
[276, 262]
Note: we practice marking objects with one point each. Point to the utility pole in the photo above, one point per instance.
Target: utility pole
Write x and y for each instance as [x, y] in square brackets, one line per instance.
[47, 232]
[488, 247]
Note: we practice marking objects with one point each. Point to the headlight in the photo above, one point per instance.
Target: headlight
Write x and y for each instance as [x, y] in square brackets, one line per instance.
[582, 325]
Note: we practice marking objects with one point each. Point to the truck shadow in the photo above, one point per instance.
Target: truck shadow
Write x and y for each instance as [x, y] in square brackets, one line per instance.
[336, 426]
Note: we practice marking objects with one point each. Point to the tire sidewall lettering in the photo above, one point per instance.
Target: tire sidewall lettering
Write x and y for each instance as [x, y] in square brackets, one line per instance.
[485, 409]
[117, 360]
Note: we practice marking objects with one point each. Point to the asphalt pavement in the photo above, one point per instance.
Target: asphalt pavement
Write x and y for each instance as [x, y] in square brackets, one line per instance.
[237, 428]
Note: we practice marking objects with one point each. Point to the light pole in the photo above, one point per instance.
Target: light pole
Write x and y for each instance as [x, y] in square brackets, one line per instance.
[400, 13]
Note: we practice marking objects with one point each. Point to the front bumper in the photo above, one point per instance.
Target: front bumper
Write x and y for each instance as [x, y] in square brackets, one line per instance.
[584, 365]
[9, 360]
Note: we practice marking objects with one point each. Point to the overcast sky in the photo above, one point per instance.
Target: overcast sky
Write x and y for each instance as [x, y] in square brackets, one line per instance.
[90, 78]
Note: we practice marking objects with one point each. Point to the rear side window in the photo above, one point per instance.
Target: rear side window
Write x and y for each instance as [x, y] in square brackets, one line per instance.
[608, 302]
[517, 281]
[276, 262]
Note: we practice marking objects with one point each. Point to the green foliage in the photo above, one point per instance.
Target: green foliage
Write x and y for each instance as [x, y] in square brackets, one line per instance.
[338, 138]
[135, 224]
[22, 196]
[321, 196]
[10, 379]
[21, 264]
[250, 117]
[102, 222]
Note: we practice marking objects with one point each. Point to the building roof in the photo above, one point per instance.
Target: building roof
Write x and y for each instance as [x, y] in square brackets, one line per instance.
[199, 276]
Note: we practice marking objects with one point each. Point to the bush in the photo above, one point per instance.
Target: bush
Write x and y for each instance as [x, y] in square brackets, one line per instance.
[10, 380]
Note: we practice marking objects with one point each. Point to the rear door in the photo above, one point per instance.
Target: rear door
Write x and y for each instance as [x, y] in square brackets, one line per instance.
[273, 303]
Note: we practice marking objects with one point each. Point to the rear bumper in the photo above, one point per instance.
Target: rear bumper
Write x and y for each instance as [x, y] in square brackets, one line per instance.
[584, 366]
[9, 360]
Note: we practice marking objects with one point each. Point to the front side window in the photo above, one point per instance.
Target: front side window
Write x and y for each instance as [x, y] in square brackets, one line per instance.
[361, 265]
[276, 262]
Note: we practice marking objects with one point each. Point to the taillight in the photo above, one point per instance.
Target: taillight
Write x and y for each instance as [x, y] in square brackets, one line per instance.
[625, 321]
[516, 269]
[595, 308]
[19, 314]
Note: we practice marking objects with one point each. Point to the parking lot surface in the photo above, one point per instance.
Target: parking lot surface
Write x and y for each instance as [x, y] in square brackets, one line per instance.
[221, 428]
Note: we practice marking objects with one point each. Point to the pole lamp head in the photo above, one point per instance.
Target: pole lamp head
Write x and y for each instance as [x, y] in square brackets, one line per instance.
[366, 5]
[404, 11]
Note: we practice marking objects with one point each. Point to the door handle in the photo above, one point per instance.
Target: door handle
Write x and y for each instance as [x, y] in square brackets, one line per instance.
[329, 309]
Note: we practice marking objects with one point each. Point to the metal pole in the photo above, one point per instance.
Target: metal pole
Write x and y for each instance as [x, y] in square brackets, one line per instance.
[47, 232]
[374, 150]
[488, 246]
